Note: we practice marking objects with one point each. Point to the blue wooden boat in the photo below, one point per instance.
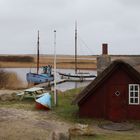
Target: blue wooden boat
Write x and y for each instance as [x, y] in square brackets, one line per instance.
[37, 78]
[46, 76]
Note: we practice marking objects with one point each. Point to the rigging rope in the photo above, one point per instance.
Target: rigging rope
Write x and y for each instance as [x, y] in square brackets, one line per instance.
[90, 51]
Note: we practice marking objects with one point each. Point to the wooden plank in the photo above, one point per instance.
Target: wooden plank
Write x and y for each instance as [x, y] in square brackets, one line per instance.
[33, 89]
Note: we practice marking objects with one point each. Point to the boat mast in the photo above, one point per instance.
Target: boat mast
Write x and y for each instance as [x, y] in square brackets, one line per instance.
[38, 53]
[75, 47]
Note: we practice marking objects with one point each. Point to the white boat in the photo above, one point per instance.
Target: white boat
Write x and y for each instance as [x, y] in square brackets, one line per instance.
[77, 76]
[81, 76]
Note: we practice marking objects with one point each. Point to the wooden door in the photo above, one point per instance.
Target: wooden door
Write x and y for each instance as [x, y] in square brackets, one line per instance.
[117, 103]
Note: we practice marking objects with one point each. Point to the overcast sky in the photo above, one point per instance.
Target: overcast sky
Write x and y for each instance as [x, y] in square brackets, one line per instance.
[116, 22]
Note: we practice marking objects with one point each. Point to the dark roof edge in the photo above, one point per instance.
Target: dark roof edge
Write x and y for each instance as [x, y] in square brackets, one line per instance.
[100, 78]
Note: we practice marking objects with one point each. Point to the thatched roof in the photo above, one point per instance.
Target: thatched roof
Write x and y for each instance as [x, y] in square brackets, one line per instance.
[100, 78]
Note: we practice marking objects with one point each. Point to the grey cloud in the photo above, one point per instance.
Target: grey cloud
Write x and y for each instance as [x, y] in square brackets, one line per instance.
[131, 3]
[114, 22]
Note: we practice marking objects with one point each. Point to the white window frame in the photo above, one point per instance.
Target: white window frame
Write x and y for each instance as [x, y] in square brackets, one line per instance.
[138, 97]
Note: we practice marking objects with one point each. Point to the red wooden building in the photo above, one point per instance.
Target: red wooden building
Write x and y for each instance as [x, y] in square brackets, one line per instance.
[113, 95]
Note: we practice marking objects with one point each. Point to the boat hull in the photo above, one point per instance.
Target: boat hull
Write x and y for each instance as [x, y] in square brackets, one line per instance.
[44, 102]
[41, 107]
[38, 78]
[77, 77]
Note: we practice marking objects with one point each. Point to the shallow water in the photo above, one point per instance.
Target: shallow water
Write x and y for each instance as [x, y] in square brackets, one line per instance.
[21, 73]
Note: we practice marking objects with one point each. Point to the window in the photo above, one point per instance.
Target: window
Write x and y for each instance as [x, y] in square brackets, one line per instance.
[117, 93]
[134, 94]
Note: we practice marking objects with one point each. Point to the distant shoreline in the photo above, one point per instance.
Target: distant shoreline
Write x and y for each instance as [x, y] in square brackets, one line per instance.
[85, 62]
[63, 62]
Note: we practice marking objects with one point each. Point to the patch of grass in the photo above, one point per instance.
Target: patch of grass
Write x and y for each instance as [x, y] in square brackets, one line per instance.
[64, 109]
[28, 104]
[68, 112]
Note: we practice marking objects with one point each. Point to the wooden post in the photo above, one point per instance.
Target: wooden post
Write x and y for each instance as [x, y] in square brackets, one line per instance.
[55, 93]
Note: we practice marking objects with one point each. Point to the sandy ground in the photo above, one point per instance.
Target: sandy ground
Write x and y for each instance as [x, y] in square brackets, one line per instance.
[16, 124]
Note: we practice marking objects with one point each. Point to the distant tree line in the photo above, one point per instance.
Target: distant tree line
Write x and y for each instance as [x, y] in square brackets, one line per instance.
[16, 58]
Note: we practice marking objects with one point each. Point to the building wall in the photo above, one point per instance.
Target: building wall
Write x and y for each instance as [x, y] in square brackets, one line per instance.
[102, 100]
[93, 106]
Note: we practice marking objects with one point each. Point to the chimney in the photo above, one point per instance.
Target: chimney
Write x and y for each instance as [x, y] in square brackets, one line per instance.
[104, 49]
[103, 60]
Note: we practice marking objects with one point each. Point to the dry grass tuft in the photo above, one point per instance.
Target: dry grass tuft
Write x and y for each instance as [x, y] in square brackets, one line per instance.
[9, 80]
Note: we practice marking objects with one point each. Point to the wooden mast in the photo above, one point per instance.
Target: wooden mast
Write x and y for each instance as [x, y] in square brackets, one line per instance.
[75, 47]
[38, 53]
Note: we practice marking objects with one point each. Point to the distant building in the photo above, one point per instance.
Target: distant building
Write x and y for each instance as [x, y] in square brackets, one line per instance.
[113, 95]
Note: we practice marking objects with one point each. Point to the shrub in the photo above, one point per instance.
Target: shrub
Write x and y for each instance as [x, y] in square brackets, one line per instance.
[9, 80]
